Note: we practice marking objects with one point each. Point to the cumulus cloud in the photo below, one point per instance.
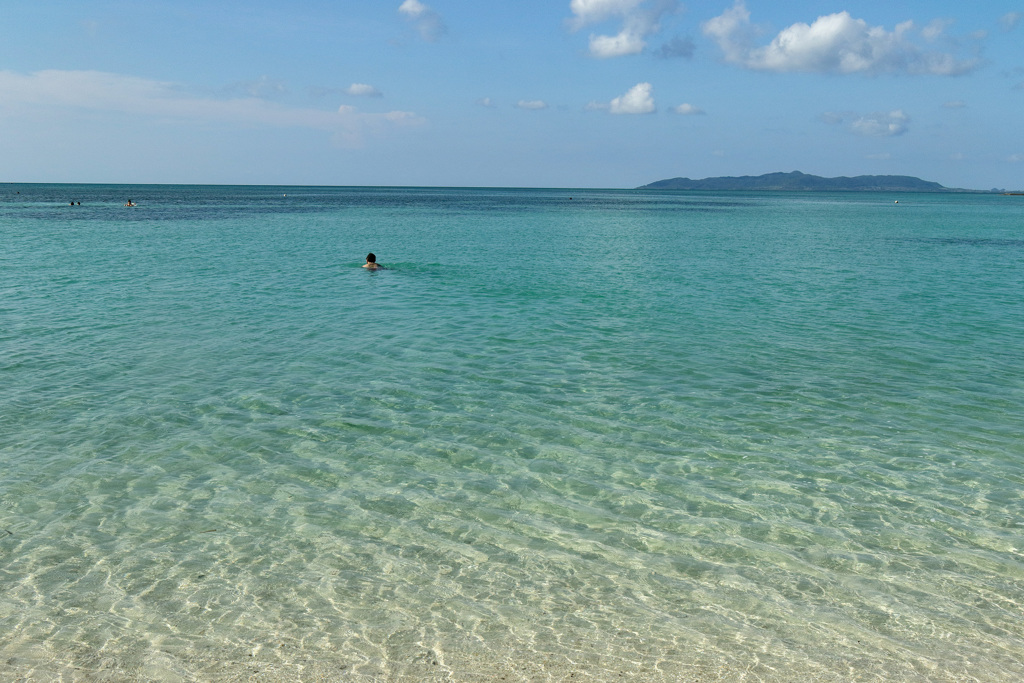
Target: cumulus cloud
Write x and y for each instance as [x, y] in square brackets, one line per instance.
[625, 43]
[637, 100]
[532, 105]
[733, 32]
[427, 22]
[107, 92]
[876, 125]
[640, 19]
[363, 90]
[688, 110]
[835, 43]
[881, 124]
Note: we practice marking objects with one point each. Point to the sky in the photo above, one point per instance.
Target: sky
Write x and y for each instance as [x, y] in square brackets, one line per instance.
[530, 93]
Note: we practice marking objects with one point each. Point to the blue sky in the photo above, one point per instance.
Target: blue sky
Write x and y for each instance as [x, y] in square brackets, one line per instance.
[557, 93]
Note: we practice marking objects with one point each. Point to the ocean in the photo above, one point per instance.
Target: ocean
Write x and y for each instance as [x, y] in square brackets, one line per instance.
[592, 435]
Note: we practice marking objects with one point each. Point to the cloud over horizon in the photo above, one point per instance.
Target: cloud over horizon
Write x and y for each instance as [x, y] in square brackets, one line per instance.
[875, 125]
[532, 105]
[835, 43]
[637, 100]
[109, 92]
[687, 109]
[363, 90]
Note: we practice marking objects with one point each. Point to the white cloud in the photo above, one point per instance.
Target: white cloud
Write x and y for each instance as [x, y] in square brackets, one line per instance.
[1015, 158]
[637, 100]
[427, 22]
[732, 31]
[1010, 20]
[688, 110]
[936, 29]
[533, 105]
[639, 21]
[625, 43]
[593, 11]
[106, 92]
[485, 102]
[955, 104]
[881, 124]
[363, 90]
[835, 43]
[877, 124]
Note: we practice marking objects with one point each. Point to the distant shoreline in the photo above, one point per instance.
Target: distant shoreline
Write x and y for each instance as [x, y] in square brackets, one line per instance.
[803, 182]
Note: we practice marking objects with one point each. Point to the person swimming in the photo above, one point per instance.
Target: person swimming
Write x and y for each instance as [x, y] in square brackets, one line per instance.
[371, 262]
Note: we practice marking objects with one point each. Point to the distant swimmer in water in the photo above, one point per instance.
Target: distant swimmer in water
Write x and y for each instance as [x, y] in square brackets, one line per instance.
[130, 203]
[371, 263]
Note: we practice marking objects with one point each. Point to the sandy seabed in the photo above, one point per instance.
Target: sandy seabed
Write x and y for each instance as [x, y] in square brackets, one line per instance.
[284, 664]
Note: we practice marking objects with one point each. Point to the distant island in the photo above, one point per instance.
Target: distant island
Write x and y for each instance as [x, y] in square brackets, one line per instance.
[802, 182]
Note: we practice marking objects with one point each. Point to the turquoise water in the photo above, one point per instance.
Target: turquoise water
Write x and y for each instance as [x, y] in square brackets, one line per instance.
[567, 435]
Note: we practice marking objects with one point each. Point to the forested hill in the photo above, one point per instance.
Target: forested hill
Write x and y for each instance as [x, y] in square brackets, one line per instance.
[802, 182]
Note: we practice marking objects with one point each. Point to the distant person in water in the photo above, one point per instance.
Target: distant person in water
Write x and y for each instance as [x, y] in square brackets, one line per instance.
[371, 262]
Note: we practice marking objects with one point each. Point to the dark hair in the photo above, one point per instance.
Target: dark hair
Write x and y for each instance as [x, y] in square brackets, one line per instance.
[370, 258]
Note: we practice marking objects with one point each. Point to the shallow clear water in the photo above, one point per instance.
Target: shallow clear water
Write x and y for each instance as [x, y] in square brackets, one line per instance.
[566, 435]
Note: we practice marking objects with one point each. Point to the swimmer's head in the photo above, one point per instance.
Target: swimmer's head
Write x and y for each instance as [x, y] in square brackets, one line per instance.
[370, 258]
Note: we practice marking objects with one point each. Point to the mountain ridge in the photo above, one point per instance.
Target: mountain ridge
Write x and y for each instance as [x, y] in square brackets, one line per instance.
[795, 181]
